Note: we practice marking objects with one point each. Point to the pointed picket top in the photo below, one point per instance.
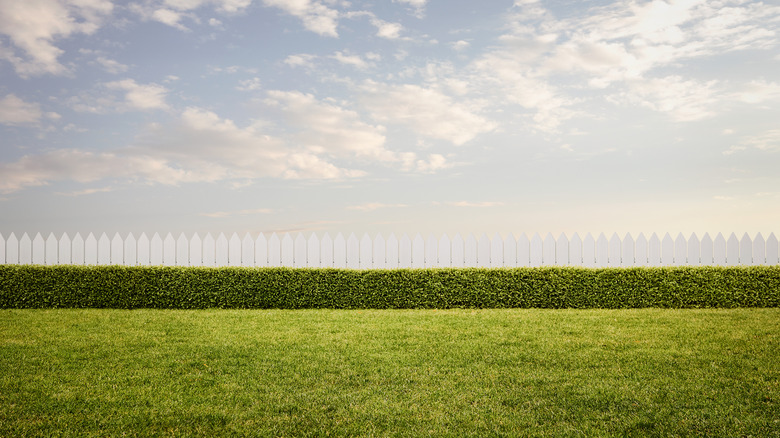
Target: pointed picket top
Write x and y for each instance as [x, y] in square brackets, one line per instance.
[300, 257]
[142, 250]
[51, 256]
[575, 250]
[169, 250]
[536, 250]
[353, 252]
[602, 251]
[483, 251]
[25, 250]
[680, 250]
[261, 251]
[640, 250]
[732, 250]
[706, 255]
[444, 250]
[772, 250]
[313, 252]
[562, 250]
[366, 252]
[326, 251]
[510, 251]
[339, 251]
[470, 251]
[589, 251]
[379, 255]
[418, 251]
[116, 250]
[64, 250]
[458, 251]
[746, 250]
[615, 246]
[720, 254]
[392, 254]
[12, 249]
[431, 251]
[627, 251]
[209, 253]
[288, 250]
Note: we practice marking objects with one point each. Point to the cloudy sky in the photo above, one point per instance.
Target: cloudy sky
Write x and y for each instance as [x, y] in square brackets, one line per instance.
[390, 116]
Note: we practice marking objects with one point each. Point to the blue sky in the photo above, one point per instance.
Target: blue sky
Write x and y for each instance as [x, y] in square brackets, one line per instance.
[397, 116]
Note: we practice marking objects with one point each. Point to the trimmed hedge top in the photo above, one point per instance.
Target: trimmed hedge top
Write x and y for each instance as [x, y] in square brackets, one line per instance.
[125, 287]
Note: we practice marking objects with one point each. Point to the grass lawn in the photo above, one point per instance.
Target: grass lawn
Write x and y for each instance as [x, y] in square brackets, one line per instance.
[453, 373]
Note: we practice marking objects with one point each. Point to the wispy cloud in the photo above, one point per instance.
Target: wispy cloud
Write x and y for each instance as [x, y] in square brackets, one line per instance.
[371, 206]
[15, 111]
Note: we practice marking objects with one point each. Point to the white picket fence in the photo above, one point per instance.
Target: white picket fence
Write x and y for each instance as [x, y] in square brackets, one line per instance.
[378, 253]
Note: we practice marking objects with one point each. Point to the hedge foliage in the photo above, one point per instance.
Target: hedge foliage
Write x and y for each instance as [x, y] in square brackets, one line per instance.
[125, 287]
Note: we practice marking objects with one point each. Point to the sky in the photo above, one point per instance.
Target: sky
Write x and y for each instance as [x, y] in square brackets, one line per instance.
[402, 116]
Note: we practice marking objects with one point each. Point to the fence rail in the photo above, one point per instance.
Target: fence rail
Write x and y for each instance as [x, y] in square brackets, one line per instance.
[379, 253]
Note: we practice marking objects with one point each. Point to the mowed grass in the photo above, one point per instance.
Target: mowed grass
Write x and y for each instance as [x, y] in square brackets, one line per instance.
[646, 372]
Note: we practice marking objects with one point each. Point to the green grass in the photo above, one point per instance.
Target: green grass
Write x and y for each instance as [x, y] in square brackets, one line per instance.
[646, 372]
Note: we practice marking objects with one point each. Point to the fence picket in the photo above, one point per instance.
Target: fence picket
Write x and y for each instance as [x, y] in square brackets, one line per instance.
[313, 252]
[38, 250]
[483, 251]
[627, 248]
[366, 253]
[380, 252]
[51, 257]
[654, 251]
[155, 250]
[575, 250]
[640, 250]
[195, 250]
[732, 250]
[470, 253]
[458, 252]
[65, 250]
[12, 250]
[326, 251]
[353, 252]
[275, 251]
[209, 251]
[759, 250]
[615, 251]
[589, 251]
[261, 251]
[562, 251]
[707, 252]
[143, 253]
[745, 251]
[667, 250]
[288, 250]
[680, 250]
[445, 251]
[131, 250]
[248, 251]
[91, 250]
[523, 251]
[719, 250]
[300, 259]
[405, 252]
[418, 252]
[537, 251]
[694, 250]
[602, 251]
[234, 250]
[182, 250]
[548, 253]
[169, 250]
[392, 259]
[431, 252]
[339, 251]
[772, 250]
[221, 250]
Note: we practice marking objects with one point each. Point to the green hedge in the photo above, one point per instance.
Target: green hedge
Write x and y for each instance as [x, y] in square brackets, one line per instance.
[287, 288]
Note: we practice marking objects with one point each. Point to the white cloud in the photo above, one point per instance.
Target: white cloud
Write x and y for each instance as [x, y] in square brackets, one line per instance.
[137, 97]
[316, 17]
[15, 111]
[353, 60]
[169, 17]
[300, 60]
[768, 141]
[328, 128]
[680, 99]
[247, 212]
[417, 5]
[111, 65]
[386, 29]
[253, 84]
[758, 92]
[34, 26]
[371, 206]
[427, 111]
